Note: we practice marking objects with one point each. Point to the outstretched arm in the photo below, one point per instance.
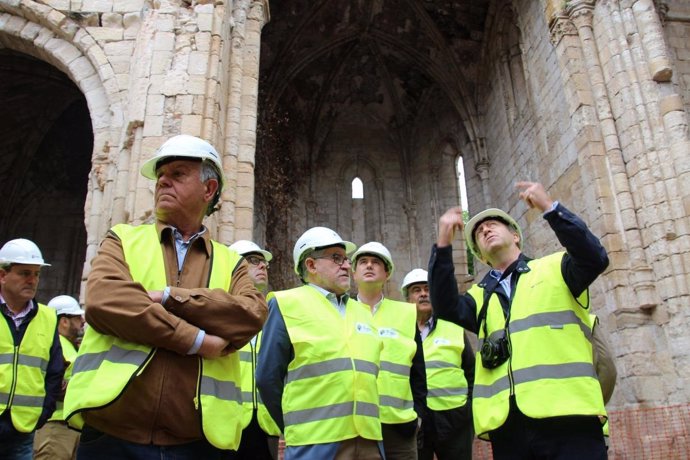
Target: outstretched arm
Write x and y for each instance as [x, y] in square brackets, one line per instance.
[586, 258]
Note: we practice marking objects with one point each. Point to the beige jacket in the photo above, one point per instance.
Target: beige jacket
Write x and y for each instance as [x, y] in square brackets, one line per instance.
[157, 406]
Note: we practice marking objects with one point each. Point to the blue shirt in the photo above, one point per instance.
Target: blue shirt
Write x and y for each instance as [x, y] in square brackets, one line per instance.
[181, 247]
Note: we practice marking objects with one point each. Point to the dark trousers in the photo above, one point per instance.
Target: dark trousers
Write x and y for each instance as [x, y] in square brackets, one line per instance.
[255, 443]
[554, 438]
[448, 434]
[17, 446]
[453, 448]
[96, 445]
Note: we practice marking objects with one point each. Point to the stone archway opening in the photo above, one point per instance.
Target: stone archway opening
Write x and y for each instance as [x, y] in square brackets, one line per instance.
[46, 144]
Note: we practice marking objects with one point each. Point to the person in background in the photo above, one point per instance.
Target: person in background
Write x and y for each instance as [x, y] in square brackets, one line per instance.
[55, 440]
[449, 358]
[320, 358]
[157, 374]
[402, 379]
[31, 363]
[260, 434]
[536, 393]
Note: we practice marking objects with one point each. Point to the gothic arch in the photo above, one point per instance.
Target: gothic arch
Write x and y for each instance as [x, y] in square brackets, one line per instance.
[44, 33]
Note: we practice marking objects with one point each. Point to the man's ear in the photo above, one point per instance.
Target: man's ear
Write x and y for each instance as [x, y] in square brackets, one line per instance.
[211, 186]
[310, 264]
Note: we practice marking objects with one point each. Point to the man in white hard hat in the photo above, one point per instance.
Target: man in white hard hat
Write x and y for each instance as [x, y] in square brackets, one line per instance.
[402, 380]
[55, 440]
[320, 357]
[536, 391]
[31, 365]
[260, 433]
[449, 358]
[167, 307]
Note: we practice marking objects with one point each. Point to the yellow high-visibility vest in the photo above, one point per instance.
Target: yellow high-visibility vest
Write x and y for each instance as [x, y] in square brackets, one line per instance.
[251, 399]
[23, 369]
[396, 323]
[550, 370]
[330, 392]
[105, 364]
[445, 377]
[69, 352]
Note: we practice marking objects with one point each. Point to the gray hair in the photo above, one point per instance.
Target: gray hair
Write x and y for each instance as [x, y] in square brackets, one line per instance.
[209, 171]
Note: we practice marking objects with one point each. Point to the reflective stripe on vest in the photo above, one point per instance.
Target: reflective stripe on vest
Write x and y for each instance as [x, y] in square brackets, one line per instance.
[445, 378]
[396, 323]
[550, 370]
[330, 392]
[106, 364]
[23, 368]
[69, 353]
[251, 400]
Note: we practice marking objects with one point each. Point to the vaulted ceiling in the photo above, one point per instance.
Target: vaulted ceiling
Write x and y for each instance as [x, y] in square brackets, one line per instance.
[329, 59]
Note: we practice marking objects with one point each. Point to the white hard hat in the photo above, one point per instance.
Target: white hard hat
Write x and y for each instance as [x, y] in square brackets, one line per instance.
[318, 237]
[184, 146]
[244, 247]
[66, 305]
[21, 251]
[487, 214]
[376, 249]
[417, 275]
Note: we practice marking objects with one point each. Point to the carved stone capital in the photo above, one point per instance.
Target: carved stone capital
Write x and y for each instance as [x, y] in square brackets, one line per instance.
[581, 12]
[561, 25]
[410, 209]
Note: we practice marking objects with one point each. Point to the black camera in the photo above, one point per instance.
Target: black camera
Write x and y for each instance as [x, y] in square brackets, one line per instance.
[494, 351]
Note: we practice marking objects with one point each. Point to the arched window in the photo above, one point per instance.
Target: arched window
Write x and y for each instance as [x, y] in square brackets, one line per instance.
[462, 193]
[357, 189]
[462, 187]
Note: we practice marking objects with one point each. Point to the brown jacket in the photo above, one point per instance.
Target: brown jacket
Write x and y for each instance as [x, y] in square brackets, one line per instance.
[157, 407]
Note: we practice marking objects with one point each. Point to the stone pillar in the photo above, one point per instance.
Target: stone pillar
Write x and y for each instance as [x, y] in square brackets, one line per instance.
[598, 131]
[241, 86]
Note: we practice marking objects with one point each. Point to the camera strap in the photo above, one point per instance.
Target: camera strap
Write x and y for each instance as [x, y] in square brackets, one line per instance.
[489, 291]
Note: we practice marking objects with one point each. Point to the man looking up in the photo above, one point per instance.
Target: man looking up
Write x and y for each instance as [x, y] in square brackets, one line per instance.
[449, 362]
[260, 433]
[402, 380]
[31, 364]
[320, 357]
[55, 441]
[157, 374]
[536, 392]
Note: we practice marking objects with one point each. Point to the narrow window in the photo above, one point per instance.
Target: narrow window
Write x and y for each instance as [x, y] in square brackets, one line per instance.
[462, 188]
[357, 189]
[462, 193]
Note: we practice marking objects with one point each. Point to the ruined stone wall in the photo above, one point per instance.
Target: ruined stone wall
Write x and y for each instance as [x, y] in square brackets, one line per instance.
[605, 128]
[676, 19]
[150, 70]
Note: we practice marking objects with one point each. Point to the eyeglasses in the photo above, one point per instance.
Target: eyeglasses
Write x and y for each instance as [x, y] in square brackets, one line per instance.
[337, 259]
[256, 260]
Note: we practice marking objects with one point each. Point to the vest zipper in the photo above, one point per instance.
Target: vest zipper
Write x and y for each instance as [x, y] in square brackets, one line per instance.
[511, 379]
[255, 399]
[198, 387]
[15, 371]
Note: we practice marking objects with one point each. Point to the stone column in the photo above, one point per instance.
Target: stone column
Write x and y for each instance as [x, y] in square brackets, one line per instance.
[241, 86]
[604, 154]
